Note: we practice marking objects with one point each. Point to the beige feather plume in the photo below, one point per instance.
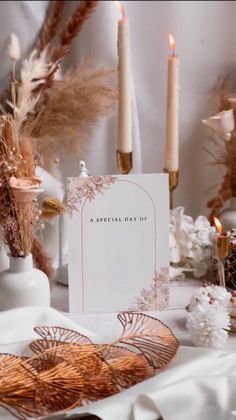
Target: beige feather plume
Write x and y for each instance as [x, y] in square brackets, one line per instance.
[74, 105]
[14, 47]
[32, 74]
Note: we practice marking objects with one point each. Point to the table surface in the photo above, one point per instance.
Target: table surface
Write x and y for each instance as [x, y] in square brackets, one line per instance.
[106, 324]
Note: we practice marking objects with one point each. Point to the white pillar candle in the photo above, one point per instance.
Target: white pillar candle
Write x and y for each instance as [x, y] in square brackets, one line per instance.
[124, 84]
[172, 114]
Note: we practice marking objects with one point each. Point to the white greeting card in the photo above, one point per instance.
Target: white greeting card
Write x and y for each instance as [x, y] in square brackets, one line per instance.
[118, 243]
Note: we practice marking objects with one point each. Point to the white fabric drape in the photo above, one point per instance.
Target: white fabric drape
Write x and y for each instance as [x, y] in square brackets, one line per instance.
[198, 383]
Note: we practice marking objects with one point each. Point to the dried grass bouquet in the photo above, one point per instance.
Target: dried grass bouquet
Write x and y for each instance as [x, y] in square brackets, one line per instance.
[45, 112]
[223, 138]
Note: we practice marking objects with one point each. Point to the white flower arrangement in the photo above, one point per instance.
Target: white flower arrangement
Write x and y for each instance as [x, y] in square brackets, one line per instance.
[208, 327]
[214, 295]
[191, 244]
[209, 320]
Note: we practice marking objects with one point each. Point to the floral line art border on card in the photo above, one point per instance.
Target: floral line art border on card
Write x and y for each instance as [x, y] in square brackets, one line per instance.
[86, 188]
[157, 296]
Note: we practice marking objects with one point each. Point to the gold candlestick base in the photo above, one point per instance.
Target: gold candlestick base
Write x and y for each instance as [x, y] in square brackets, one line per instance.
[221, 272]
[124, 162]
[222, 248]
[173, 183]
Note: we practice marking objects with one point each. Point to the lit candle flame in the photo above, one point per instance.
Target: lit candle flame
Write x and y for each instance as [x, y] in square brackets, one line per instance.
[121, 8]
[172, 43]
[218, 225]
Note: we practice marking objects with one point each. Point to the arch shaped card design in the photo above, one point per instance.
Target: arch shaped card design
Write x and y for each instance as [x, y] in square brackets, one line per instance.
[118, 243]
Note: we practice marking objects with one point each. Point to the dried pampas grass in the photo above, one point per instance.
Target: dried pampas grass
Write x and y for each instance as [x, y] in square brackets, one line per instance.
[45, 115]
[72, 28]
[32, 76]
[224, 154]
[74, 105]
[51, 24]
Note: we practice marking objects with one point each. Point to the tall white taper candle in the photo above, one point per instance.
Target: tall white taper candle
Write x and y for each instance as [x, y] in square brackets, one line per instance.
[172, 113]
[124, 144]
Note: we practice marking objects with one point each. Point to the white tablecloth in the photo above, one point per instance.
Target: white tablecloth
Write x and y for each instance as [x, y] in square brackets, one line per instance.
[198, 383]
[175, 317]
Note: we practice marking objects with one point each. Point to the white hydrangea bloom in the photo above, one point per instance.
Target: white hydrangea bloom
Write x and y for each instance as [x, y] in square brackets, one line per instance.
[200, 297]
[213, 294]
[191, 242]
[219, 293]
[232, 309]
[208, 325]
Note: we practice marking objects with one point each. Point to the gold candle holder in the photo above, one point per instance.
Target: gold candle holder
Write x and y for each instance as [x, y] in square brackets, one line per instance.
[222, 249]
[173, 183]
[124, 162]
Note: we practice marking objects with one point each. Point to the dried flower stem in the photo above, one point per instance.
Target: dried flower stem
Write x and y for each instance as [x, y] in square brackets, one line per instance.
[13, 85]
[52, 207]
[17, 219]
[225, 155]
[223, 194]
[41, 259]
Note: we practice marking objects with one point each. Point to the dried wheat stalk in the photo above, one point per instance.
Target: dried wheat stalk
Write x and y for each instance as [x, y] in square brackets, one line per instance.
[72, 28]
[50, 26]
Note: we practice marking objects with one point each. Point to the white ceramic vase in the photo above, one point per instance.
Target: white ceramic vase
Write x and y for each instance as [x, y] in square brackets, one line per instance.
[228, 216]
[4, 259]
[23, 285]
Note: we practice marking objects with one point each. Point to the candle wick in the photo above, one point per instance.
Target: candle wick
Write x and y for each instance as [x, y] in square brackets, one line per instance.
[173, 52]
